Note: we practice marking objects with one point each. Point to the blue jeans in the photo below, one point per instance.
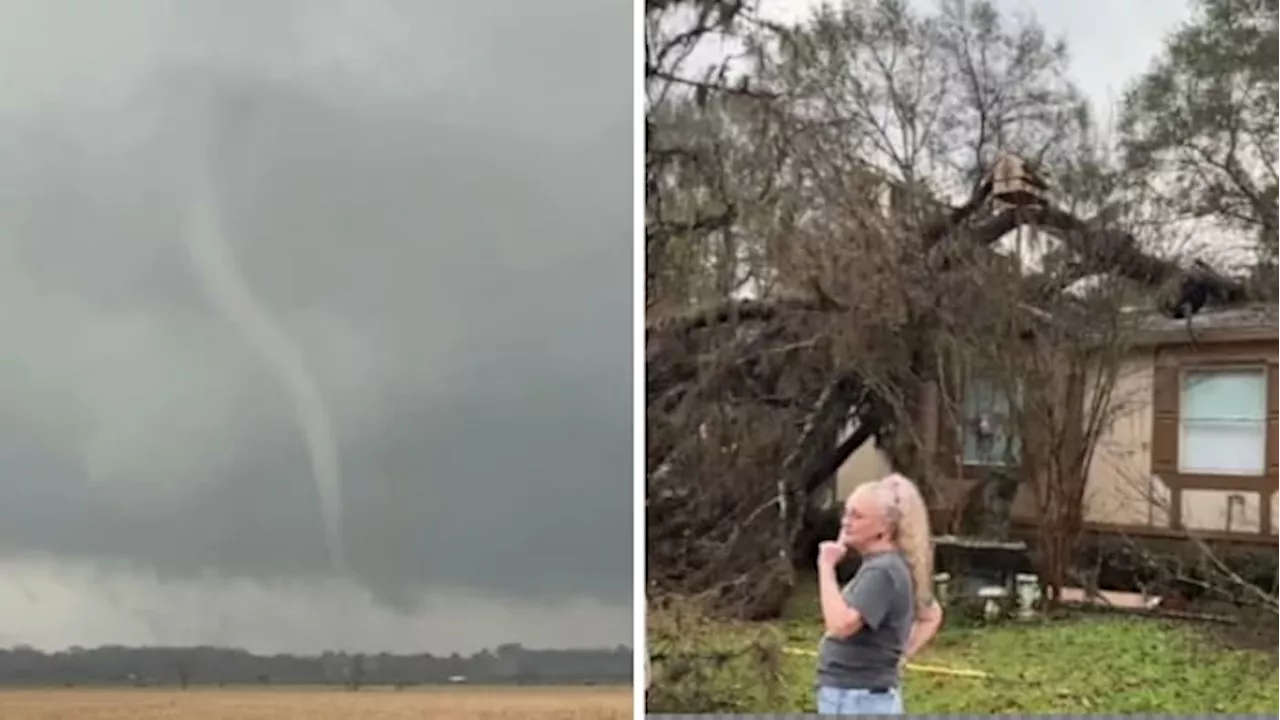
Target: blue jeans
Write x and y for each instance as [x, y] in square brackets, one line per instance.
[837, 701]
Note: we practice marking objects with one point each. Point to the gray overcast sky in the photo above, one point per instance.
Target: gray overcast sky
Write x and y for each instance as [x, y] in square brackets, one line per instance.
[1110, 41]
[433, 199]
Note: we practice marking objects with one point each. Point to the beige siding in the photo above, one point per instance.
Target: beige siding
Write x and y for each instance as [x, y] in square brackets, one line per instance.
[1121, 489]
[1223, 510]
[1275, 514]
[865, 465]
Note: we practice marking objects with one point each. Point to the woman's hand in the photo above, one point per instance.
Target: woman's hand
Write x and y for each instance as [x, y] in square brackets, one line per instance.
[830, 553]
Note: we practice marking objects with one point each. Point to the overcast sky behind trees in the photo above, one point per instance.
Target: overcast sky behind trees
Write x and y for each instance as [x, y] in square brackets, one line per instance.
[1111, 42]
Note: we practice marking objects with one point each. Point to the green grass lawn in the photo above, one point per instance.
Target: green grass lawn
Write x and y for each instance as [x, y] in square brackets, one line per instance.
[1087, 664]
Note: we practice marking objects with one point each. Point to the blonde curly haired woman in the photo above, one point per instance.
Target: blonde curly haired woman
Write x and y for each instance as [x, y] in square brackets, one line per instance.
[887, 612]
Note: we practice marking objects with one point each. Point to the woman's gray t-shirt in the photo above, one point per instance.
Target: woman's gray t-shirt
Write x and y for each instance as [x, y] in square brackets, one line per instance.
[881, 593]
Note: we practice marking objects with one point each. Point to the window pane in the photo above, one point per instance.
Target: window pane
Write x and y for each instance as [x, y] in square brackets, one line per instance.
[984, 396]
[992, 453]
[1222, 448]
[1224, 395]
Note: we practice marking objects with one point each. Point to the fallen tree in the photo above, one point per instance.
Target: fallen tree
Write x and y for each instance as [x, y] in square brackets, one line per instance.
[746, 400]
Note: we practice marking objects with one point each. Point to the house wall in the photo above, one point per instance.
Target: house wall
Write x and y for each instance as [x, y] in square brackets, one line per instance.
[1126, 489]
[1121, 489]
[1133, 482]
[865, 465]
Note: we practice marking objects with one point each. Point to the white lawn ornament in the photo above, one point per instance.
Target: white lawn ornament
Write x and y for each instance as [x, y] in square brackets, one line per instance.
[993, 594]
[1028, 589]
[942, 587]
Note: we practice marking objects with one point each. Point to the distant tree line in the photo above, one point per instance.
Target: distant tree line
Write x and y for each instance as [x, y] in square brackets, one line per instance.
[185, 666]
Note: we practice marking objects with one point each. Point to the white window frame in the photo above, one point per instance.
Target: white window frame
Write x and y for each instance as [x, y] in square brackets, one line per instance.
[1184, 376]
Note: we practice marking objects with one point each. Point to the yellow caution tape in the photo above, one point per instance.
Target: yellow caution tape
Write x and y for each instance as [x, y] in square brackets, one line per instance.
[927, 669]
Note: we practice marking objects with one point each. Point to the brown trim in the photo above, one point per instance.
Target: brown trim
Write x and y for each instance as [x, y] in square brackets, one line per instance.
[1201, 336]
[1265, 511]
[1242, 483]
[1246, 538]
[1243, 351]
[939, 516]
[1270, 467]
[1164, 431]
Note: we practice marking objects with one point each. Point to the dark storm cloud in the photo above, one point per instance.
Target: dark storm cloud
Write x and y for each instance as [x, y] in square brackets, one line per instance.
[433, 199]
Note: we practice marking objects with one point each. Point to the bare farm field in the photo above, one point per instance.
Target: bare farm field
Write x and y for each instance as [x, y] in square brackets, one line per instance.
[569, 703]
